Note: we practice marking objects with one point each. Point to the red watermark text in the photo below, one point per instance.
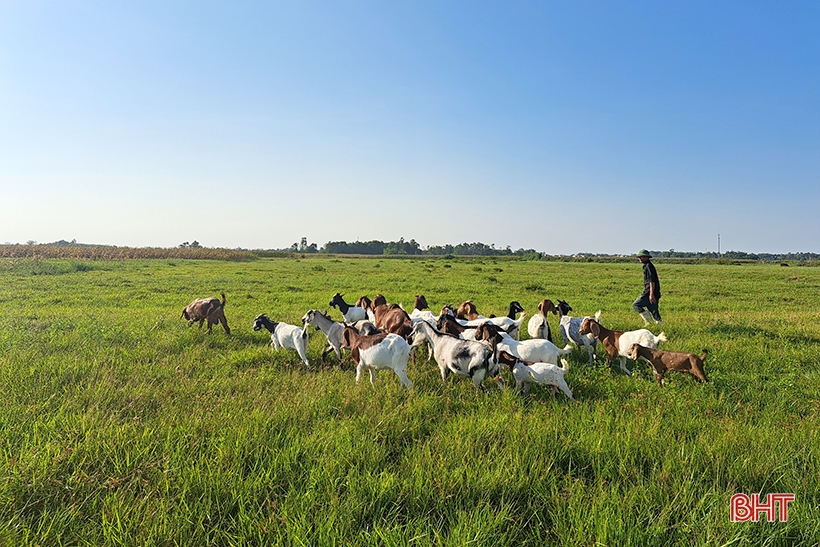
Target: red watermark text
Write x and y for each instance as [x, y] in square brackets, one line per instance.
[744, 508]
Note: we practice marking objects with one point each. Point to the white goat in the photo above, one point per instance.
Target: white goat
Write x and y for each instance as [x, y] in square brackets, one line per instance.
[376, 352]
[332, 330]
[286, 336]
[545, 374]
[570, 328]
[463, 357]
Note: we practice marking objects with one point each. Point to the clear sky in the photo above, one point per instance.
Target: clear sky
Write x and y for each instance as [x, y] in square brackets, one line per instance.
[564, 127]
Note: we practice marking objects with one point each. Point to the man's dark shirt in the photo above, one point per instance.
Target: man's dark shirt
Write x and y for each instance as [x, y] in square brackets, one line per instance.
[650, 275]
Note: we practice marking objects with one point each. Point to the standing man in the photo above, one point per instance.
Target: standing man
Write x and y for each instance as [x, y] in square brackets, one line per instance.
[647, 303]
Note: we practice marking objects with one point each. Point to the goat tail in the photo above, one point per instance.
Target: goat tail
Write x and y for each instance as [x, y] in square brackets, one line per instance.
[224, 299]
[598, 316]
[705, 353]
[661, 337]
[564, 365]
[567, 349]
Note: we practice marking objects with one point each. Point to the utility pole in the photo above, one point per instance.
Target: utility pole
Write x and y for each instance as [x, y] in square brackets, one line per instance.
[718, 245]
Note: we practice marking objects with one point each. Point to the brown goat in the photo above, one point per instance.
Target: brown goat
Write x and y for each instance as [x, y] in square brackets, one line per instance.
[363, 302]
[378, 300]
[662, 361]
[467, 310]
[420, 303]
[447, 324]
[206, 308]
[546, 306]
[390, 319]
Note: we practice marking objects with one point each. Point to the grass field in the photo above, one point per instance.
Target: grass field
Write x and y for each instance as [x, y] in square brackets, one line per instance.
[122, 426]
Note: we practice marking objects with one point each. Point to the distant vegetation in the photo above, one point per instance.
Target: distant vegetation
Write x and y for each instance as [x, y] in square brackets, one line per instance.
[194, 250]
[110, 252]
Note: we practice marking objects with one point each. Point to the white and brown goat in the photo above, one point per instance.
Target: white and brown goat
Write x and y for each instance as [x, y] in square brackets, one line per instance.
[538, 327]
[376, 352]
[617, 343]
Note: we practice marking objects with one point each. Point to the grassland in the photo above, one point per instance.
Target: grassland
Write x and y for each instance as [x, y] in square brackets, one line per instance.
[122, 426]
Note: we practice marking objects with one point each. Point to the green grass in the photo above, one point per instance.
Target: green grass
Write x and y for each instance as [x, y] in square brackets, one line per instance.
[122, 426]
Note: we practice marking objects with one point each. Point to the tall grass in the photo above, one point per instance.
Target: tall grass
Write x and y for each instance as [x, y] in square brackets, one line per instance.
[122, 426]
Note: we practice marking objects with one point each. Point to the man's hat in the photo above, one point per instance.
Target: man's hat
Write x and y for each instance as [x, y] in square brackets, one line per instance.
[644, 252]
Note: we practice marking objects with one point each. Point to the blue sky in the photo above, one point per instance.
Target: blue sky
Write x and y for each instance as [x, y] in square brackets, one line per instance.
[564, 127]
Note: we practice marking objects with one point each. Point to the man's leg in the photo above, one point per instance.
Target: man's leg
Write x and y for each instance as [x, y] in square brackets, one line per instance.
[643, 307]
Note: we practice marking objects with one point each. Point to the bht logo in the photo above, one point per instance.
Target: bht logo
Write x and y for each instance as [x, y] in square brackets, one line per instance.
[745, 508]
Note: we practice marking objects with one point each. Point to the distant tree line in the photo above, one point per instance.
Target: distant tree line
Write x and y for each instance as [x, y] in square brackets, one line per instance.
[401, 247]
[412, 247]
[728, 255]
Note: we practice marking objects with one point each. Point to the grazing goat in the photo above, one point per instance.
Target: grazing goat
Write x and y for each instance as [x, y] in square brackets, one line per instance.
[332, 330]
[545, 374]
[570, 328]
[376, 352]
[661, 361]
[463, 357]
[538, 327]
[350, 313]
[534, 350]
[285, 336]
[206, 308]
[617, 343]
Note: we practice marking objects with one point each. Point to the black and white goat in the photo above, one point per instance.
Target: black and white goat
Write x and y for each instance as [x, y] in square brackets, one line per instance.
[285, 336]
[463, 357]
[350, 313]
[570, 328]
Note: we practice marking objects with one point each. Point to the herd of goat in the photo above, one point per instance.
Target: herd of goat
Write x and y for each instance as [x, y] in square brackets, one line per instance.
[381, 336]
